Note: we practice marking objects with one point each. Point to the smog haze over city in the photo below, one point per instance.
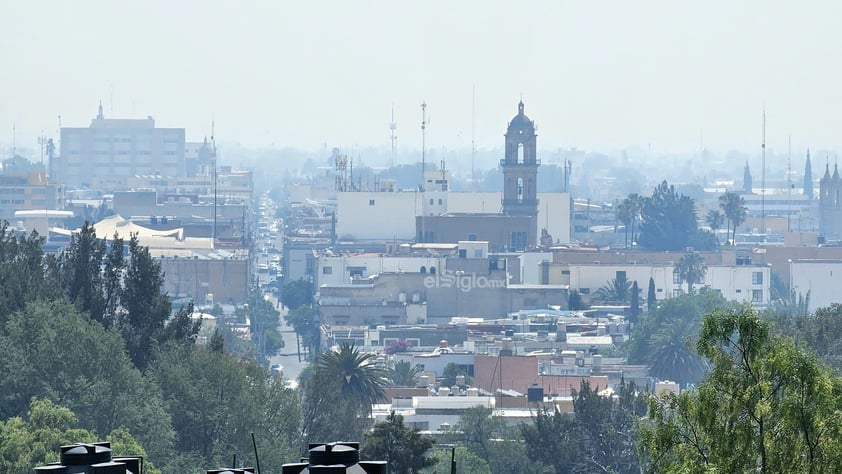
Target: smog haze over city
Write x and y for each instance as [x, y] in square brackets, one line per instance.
[595, 75]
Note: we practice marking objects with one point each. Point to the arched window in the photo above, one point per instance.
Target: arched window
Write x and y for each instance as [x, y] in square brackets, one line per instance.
[432, 270]
[520, 190]
[520, 152]
[423, 269]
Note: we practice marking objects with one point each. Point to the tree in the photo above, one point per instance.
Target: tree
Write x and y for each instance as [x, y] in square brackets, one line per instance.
[35, 439]
[622, 213]
[651, 298]
[822, 332]
[81, 276]
[691, 268]
[669, 222]
[575, 301]
[52, 351]
[146, 307]
[404, 374]
[487, 436]
[339, 393]
[734, 207]
[714, 219]
[479, 427]
[466, 461]
[216, 401]
[634, 204]
[634, 311]
[450, 372]
[600, 437]
[296, 293]
[304, 321]
[663, 339]
[359, 377]
[403, 448]
[672, 355]
[616, 290]
[766, 406]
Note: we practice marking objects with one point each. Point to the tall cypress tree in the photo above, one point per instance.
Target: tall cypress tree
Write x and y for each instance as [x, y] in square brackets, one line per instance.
[635, 303]
[650, 297]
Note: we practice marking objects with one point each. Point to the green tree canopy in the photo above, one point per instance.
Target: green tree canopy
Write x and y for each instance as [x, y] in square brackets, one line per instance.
[616, 290]
[338, 394]
[217, 401]
[691, 268]
[669, 222]
[296, 293]
[404, 374]
[734, 207]
[601, 437]
[664, 337]
[34, 439]
[52, 351]
[403, 448]
[766, 406]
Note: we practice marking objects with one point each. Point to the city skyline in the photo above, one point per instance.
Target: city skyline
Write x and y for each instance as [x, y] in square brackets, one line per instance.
[605, 76]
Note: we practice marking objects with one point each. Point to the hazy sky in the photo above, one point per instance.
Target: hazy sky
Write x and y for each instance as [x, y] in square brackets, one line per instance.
[593, 74]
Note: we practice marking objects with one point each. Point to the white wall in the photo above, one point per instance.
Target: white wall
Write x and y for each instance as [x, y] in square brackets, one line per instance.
[374, 264]
[822, 278]
[734, 282]
[391, 216]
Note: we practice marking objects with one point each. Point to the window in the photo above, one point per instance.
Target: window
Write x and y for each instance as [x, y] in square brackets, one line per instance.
[756, 296]
[371, 202]
[431, 201]
[440, 202]
[676, 277]
[565, 272]
[677, 292]
[327, 270]
[756, 278]
[585, 291]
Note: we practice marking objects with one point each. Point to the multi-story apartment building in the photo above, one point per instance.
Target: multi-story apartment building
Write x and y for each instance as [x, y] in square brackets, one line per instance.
[109, 151]
[26, 193]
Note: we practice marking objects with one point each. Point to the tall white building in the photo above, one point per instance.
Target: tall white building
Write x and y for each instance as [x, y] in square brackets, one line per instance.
[109, 151]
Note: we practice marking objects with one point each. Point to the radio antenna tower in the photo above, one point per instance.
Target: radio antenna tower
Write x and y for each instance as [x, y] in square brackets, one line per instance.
[423, 141]
[393, 126]
[473, 135]
[763, 178]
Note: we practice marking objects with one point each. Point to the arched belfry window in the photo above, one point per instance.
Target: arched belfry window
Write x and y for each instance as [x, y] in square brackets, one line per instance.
[520, 190]
[520, 152]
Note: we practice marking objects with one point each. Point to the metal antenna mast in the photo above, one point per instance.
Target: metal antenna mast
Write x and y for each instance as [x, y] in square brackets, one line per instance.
[788, 179]
[473, 135]
[423, 141]
[393, 126]
[763, 178]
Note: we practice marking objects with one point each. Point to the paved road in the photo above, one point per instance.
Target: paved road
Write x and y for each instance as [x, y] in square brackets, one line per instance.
[288, 357]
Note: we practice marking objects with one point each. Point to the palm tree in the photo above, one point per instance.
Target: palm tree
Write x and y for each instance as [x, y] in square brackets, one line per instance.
[359, 378]
[634, 202]
[616, 290]
[671, 353]
[691, 268]
[404, 374]
[623, 214]
[714, 220]
[734, 207]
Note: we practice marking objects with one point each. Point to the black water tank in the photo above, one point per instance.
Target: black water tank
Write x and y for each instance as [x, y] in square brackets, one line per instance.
[535, 393]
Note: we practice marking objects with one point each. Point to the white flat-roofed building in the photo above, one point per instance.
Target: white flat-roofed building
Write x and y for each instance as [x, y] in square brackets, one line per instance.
[821, 278]
[386, 216]
[748, 283]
